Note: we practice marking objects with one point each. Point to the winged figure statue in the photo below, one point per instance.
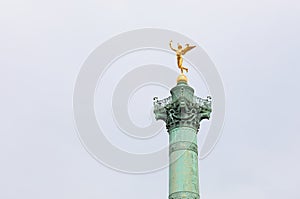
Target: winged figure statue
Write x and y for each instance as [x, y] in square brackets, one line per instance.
[179, 52]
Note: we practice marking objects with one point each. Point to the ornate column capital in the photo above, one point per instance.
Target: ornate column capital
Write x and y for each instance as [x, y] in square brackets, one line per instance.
[182, 108]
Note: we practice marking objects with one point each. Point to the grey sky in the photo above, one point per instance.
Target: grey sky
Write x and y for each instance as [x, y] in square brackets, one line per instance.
[254, 44]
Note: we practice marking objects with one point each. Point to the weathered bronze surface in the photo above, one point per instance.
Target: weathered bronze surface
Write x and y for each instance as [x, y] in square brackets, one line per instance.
[182, 113]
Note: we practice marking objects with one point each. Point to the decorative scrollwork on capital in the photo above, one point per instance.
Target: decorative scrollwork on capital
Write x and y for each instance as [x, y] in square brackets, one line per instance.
[182, 112]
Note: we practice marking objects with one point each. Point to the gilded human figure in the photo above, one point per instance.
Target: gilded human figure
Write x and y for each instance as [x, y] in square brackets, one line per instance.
[179, 52]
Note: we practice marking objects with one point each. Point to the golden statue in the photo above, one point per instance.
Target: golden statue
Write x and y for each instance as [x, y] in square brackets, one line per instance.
[179, 52]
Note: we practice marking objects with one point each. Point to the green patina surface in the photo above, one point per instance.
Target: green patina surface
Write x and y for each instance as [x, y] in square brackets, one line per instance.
[183, 113]
[183, 170]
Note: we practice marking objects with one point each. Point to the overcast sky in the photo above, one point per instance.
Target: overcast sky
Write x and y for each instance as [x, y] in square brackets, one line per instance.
[254, 45]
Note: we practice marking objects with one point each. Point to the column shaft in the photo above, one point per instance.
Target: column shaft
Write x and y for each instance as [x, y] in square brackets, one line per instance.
[183, 170]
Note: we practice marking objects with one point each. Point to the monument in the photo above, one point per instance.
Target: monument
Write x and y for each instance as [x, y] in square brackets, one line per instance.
[182, 112]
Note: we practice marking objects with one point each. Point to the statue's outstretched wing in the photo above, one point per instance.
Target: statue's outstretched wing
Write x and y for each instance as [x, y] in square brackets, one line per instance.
[187, 48]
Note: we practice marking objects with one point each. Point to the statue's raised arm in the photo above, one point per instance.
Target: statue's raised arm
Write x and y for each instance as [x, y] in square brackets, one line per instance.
[170, 44]
[187, 48]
